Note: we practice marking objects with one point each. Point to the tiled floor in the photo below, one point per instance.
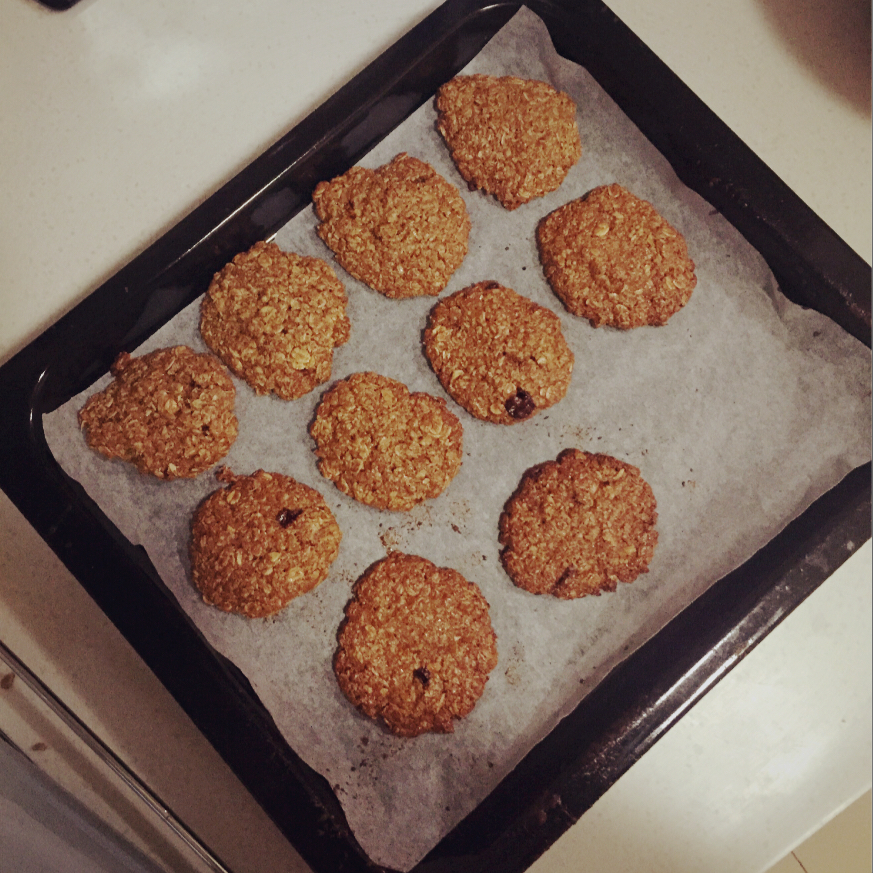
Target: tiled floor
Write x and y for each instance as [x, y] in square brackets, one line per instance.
[841, 846]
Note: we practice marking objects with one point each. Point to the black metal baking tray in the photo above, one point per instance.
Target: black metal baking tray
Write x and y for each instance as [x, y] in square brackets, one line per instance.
[58, 5]
[646, 694]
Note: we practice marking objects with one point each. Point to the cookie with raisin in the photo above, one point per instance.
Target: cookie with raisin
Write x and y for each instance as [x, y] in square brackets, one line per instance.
[416, 646]
[260, 541]
[498, 354]
[578, 526]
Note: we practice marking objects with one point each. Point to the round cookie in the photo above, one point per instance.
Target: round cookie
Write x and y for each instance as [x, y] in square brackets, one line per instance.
[169, 413]
[274, 318]
[402, 229]
[260, 542]
[384, 446]
[499, 355]
[612, 259]
[416, 646]
[513, 138]
[578, 525]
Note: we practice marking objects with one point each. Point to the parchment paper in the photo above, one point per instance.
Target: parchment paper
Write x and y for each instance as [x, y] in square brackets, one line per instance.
[740, 412]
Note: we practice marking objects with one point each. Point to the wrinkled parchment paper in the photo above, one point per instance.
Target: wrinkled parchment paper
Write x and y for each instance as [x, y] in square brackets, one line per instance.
[740, 412]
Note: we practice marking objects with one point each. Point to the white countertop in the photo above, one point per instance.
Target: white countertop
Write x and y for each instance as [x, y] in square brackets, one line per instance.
[120, 115]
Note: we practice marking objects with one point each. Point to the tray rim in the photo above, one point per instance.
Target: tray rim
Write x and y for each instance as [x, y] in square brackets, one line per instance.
[29, 389]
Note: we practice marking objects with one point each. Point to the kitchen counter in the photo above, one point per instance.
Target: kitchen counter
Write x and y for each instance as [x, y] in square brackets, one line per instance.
[121, 116]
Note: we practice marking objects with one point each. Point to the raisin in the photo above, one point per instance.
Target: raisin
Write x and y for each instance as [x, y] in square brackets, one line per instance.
[566, 576]
[423, 675]
[288, 516]
[520, 405]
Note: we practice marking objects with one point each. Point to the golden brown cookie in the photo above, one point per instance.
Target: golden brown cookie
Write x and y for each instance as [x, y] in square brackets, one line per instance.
[402, 229]
[578, 525]
[614, 260]
[274, 318]
[416, 646]
[260, 542]
[384, 446]
[499, 355]
[169, 413]
[513, 138]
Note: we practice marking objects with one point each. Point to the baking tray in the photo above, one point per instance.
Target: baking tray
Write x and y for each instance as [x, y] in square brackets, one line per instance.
[641, 698]
[58, 5]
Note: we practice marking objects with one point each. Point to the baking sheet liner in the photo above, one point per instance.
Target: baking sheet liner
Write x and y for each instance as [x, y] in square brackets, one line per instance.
[739, 412]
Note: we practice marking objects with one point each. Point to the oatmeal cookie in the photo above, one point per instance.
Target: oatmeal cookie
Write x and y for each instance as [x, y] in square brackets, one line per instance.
[513, 138]
[274, 318]
[260, 542]
[384, 446]
[416, 646]
[402, 229]
[499, 355]
[169, 413]
[614, 260]
[578, 525]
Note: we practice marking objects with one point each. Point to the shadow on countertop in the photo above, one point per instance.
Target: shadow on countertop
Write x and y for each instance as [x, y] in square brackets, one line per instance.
[832, 39]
